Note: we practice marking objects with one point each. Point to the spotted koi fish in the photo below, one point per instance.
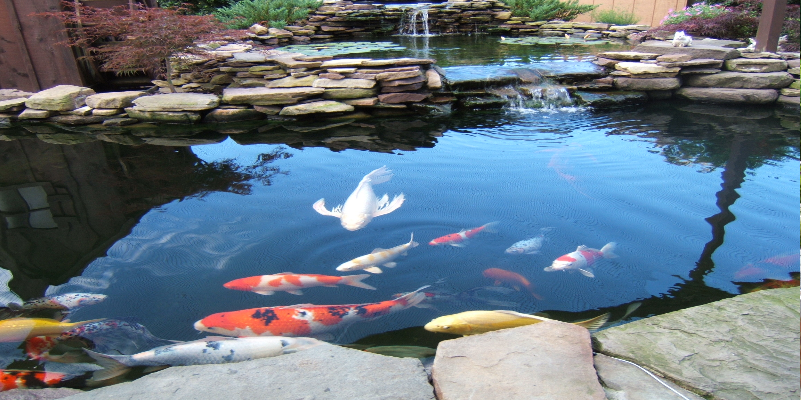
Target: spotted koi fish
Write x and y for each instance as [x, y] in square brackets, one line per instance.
[69, 301]
[458, 239]
[379, 256]
[292, 283]
[303, 319]
[582, 258]
[17, 379]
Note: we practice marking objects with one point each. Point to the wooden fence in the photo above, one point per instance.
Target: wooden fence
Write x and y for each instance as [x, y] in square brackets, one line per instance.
[649, 12]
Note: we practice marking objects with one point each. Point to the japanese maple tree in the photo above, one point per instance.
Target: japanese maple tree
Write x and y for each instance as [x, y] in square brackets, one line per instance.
[127, 38]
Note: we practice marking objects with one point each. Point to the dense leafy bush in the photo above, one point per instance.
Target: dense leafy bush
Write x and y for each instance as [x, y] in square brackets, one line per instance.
[202, 7]
[615, 17]
[275, 13]
[546, 10]
[791, 28]
[696, 11]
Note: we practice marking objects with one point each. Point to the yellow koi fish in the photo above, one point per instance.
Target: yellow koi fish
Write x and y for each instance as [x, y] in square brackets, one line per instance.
[379, 256]
[20, 329]
[475, 322]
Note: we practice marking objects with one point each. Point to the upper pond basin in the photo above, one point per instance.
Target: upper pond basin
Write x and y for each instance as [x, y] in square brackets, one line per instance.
[700, 200]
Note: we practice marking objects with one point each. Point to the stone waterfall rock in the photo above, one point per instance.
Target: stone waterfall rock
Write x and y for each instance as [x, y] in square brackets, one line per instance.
[741, 80]
[745, 347]
[548, 360]
[59, 98]
[720, 95]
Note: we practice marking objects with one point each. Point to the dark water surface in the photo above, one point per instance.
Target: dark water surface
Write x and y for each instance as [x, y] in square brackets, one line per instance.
[698, 198]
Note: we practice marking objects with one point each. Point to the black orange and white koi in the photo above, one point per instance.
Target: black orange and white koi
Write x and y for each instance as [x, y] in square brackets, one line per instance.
[458, 239]
[18, 379]
[362, 205]
[385, 257]
[582, 258]
[302, 319]
[293, 283]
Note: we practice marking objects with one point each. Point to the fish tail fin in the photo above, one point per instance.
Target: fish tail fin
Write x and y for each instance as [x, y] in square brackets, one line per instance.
[594, 323]
[412, 243]
[377, 176]
[295, 344]
[608, 250]
[112, 366]
[393, 205]
[534, 294]
[491, 227]
[414, 298]
[356, 280]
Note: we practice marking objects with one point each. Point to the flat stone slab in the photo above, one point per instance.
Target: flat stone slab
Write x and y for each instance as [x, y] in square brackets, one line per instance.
[317, 107]
[59, 98]
[755, 65]
[113, 99]
[325, 372]
[549, 360]
[177, 102]
[745, 347]
[730, 96]
[268, 96]
[740, 80]
[697, 50]
[628, 55]
[636, 68]
[610, 99]
[344, 83]
[623, 381]
[647, 84]
[38, 394]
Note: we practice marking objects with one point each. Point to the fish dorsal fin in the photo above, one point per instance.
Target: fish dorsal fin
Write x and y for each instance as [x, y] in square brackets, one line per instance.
[594, 323]
[298, 306]
[586, 273]
[582, 248]
[374, 270]
[264, 292]
[295, 292]
[285, 273]
[521, 315]
[377, 250]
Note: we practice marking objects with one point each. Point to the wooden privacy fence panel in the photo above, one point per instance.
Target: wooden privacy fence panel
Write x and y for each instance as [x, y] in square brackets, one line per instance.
[29, 58]
[649, 12]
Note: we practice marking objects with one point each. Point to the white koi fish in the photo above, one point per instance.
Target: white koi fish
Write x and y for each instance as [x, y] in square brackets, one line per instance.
[211, 350]
[582, 258]
[379, 256]
[362, 205]
[529, 246]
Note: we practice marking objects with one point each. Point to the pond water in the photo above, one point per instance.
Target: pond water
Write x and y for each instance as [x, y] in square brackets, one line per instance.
[701, 201]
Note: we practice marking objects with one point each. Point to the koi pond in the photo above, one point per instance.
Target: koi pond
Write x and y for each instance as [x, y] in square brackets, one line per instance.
[700, 201]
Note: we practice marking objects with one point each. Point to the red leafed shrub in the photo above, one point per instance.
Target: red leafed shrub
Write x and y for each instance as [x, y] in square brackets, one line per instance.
[127, 39]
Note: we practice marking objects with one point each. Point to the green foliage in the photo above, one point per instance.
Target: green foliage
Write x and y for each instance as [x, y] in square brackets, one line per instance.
[546, 10]
[615, 17]
[696, 11]
[201, 7]
[276, 13]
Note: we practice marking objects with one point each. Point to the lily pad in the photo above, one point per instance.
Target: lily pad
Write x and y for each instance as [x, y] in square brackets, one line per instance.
[335, 49]
[554, 41]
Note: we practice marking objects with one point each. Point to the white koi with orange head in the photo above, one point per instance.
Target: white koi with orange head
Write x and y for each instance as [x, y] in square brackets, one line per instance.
[362, 205]
[582, 258]
[293, 283]
[370, 262]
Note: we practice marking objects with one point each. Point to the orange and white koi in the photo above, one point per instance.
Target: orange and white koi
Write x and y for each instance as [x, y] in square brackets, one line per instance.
[18, 379]
[301, 319]
[458, 239]
[379, 256]
[292, 283]
[582, 258]
[362, 205]
[513, 279]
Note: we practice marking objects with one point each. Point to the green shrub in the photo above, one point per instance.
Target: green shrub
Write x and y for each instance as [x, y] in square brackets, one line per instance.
[546, 10]
[276, 13]
[696, 11]
[615, 17]
[202, 7]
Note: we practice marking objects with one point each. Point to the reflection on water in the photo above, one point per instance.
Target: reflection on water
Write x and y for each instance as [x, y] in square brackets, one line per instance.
[700, 199]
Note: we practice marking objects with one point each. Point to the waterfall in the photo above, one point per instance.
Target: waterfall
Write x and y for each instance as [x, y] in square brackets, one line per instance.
[416, 15]
[542, 97]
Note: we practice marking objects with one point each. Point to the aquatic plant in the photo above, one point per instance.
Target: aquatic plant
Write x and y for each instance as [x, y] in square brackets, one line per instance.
[546, 10]
[275, 13]
[335, 49]
[614, 16]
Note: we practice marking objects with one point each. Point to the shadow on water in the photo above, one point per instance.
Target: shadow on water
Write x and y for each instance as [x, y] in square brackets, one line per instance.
[64, 205]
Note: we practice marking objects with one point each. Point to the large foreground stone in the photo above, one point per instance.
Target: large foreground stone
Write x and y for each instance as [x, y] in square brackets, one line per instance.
[745, 347]
[718, 95]
[268, 96]
[322, 373]
[177, 102]
[59, 98]
[623, 381]
[695, 51]
[113, 99]
[646, 84]
[549, 360]
[741, 80]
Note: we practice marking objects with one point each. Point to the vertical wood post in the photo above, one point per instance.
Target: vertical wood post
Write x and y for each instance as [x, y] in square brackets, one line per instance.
[770, 25]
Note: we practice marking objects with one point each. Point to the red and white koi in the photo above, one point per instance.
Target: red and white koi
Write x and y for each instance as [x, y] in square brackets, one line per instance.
[379, 256]
[292, 283]
[458, 239]
[301, 319]
[362, 205]
[582, 258]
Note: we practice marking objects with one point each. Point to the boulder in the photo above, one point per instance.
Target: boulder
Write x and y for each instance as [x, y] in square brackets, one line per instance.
[325, 372]
[251, 57]
[10, 94]
[696, 50]
[698, 62]
[623, 381]
[741, 80]
[433, 79]
[163, 116]
[636, 68]
[107, 112]
[721, 95]
[59, 98]
[12, 105]
[346, 93]
[755, 65]
[231, 115]
[628, 55]
[76, 119]
[549, 360]
[268, 96]
[177, 102]
[366, 102]
[745, 347]
[316, 107]
[610, 99]
[397, 98]
[291, 81]
[344, 62]
[32, 113]
[38, 394]
[291, 63]
[392, 76]
[113, 99]
[344, 83]
[647, 84]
